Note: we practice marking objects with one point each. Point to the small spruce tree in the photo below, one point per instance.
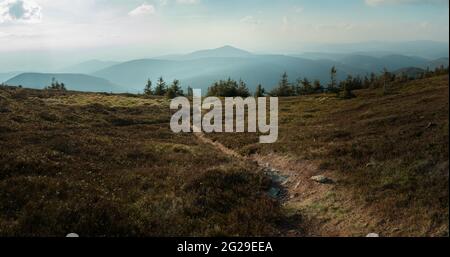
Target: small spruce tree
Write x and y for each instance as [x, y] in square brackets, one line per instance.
[161, 87]
[174, 90]
[332, 87]
[148, 88]
[260, 91]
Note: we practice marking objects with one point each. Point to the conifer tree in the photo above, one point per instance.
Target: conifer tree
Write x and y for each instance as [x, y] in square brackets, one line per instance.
[190, 91]
[174, 90]
[148, 88]
[161, 87]
[332, 87]
[284, 88]
[260, 91]
[317, 86]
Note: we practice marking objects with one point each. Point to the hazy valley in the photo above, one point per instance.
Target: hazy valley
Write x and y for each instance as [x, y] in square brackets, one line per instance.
[202, 68]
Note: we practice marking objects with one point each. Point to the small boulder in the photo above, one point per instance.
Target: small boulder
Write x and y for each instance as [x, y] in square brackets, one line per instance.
[431, 125]
[72, 235]
[373, 235]
[370, 164]
[274, 192]
[322, 179]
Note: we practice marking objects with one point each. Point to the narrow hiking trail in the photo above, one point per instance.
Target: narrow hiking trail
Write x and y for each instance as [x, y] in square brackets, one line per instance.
[322, 209]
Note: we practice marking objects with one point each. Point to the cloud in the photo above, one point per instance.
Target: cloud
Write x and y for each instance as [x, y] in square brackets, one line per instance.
[384, 2]
[299, 9]
[27, 11]
[250, 20]
[144, 9]
[188, 1]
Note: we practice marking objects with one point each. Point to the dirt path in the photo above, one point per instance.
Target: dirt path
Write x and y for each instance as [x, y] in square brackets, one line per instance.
[326, 209]
[230, 152]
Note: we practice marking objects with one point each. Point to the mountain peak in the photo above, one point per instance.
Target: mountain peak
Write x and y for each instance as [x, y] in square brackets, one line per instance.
[226, 51]
[229, 47]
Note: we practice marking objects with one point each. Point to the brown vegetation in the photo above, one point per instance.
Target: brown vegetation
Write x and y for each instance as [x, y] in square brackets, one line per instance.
[388, 151]
[108, 165]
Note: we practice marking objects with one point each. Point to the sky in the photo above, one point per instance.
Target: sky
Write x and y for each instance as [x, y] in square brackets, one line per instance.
[126, 29]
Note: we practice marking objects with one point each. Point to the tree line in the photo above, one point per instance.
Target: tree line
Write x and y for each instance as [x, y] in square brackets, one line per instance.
[302, 86]
[162, 89]
[56, 85]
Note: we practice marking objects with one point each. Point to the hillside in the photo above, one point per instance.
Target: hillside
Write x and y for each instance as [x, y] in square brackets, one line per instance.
[201, 73]
[410, 72]
[7, 75]
[77, 82]
[221, 52]
[69, 160]
[202, 68]
[388, 154]
[108, 165]
[88, 67]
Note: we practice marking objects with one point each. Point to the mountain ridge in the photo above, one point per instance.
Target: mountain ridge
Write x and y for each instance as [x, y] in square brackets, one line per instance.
[77, 82]
[88, 67]
[200, 69]
[252, 68]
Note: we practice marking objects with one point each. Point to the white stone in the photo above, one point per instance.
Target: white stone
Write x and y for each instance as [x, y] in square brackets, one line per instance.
[321, 179]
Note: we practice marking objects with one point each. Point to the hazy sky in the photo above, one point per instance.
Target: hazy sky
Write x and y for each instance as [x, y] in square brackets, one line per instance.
[131, 28]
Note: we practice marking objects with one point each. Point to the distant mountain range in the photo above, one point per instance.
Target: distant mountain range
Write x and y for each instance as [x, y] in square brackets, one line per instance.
[424, 48]
[7, 75]
[200, 69]
[202, 72]
[78, 82]
[89, 66]
[410, 72]
[222, 52]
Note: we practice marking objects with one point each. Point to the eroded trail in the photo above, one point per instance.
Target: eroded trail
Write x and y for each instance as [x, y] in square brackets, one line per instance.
[230, 152]
[323, 209]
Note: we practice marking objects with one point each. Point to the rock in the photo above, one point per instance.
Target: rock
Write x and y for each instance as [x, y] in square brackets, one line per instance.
[274, 192]
[296, 195]
[274, 170]
[72, 235]
[373, 235]
[276, 178]
[322, 179]
[370, 164]
[430, 125]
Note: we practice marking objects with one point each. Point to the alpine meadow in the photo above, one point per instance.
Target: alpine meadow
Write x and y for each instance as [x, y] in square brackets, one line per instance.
[224, 119]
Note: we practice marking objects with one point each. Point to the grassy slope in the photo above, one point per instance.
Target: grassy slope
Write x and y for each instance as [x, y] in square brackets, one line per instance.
[109, 165]
[390, 152]
[100, 165]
